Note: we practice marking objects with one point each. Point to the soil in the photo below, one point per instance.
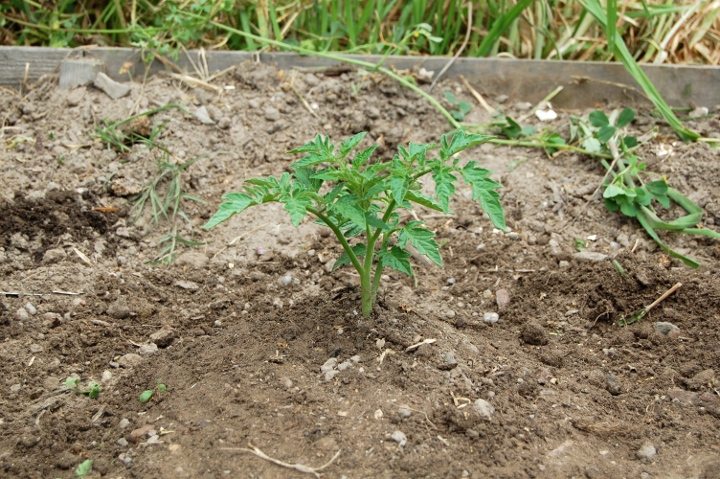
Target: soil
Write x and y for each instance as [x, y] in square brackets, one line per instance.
[259, 345]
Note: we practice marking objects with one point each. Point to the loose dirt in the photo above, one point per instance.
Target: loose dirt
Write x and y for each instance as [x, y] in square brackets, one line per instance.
[258, 343]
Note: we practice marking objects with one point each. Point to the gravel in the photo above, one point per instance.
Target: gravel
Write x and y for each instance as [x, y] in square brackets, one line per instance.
[484, 408]
[491, 317]
[647, 451]
[399, 437]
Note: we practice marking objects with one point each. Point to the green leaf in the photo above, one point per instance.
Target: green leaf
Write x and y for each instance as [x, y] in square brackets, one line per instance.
[421, 239]
[611, 204]
[605, 133]
[451, 98]
[308, 179]
[626, 117]
[93, 392]
[490, 202]
[628, 208]
[347, 207]
[444, 187]
[84, 468]
[374, 222]
[349, 145]
[612, 191]
[362, 157]
[234, 204]
[659, 187]
[630, 142]
[512, 129]
[161, 387]
[71, 382]
[398, 187]
[592, 145]
[464, 107]
[297, 207]
[598, 119]
[146, 395]
[663, 200]
[359, 250]
[642, 196]
[397, 259]
[422, 200]
[460, 142]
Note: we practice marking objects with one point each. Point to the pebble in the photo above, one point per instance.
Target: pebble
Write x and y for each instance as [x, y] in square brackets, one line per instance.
[449, 357]
[451, 281]
[124, 422]
[647, 451]
[329, 365]
[344, 365]
[285, 280]
[699, 111]
[32, 310]
[612, 385]
[22, 314]
[502, 298]
[378, 414]
[484, 408]
[666, 328]
[203, 116]
[147, 349]
[399, 437]
[589, 256]
[163, 337]
[682, 397]
[188, 285]
[272, 114]
[122, 442]
[491, 318]
[450, 313]
[125, 459]
[329, 375]
[141, 432]
[404, 411]
[36, 348]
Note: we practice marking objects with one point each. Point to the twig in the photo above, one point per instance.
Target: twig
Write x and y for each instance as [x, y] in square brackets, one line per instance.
[663, 297]
[195, 81]
[415, 346]
[460, 50]
[477, 95]
[298, 467]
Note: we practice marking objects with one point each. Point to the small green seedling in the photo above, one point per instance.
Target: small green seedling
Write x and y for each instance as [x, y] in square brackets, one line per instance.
[580, 244]
[148, 393]
[462, 107]
[92, 391]
[84, 468]
[625, 189]
[359, 199]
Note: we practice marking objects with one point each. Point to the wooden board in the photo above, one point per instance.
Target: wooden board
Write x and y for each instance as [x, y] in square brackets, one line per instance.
[586, 84]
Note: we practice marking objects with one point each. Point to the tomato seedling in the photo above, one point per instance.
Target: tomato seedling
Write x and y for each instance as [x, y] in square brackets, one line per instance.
[360, 197]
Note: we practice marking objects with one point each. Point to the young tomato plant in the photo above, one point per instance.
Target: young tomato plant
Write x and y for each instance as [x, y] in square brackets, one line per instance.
[359, 199]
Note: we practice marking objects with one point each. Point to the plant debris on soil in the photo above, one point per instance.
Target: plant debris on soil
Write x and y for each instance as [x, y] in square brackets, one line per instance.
[508, 362]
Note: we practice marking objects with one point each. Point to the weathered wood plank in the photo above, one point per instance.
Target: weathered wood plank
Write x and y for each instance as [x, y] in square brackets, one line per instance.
[587, 84]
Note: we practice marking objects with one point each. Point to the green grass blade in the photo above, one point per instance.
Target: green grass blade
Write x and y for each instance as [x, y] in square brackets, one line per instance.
[500, 25]
[621, 50]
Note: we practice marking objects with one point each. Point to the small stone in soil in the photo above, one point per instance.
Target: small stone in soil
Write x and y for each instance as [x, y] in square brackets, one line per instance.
[612, 385]
[111, 88]
[129, 360]
[484, 408]
[122, 442]
[203, 116]
[589, 256]
[189, 285]
[329, 365]
[404, 411]
[647, 451]
[399, 437]
[163, 337]
[451, 281]
[141, 432]
[285, 280]
[502, 298]
[123, 423]
[147, 349]
[272, 114]
[329, 375]
[31, 309]
[118, 309]
[22, 314]
[666, 328]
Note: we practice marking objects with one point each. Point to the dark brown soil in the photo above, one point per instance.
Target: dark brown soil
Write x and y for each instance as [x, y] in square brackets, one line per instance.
[259, 345]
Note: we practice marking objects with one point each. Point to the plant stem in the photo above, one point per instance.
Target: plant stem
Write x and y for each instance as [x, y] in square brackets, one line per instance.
[330, 224]
[366, 286]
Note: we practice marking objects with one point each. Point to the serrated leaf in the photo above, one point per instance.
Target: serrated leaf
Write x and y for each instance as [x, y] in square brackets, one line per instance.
[612, 191]
[84, 468]
[598, 119]
[344, 259]
[347, 207]
[146, 395]
[308, 179]
[626, 117]
[234, 203]
[605, 133]
[397, 259]
[422, 200]
[297, 207]
[460, 142]
[374, 222]
[349, 145]
[314, 158]
[399, 186]
[329, 174]
[444, 187]
[363, 157]
[490, 203]
[422, 239]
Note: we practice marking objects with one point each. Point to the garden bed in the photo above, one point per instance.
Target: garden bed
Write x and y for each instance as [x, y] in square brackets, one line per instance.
[257, 342]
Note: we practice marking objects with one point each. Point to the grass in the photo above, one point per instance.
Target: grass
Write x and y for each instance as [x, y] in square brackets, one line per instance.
[654, 31]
